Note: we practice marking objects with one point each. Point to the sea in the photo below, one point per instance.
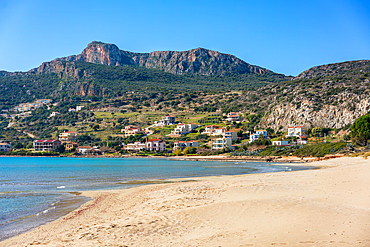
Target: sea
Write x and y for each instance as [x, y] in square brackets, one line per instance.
[38, 190]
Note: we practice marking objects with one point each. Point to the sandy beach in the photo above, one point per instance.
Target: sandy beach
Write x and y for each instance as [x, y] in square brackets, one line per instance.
[321, 207]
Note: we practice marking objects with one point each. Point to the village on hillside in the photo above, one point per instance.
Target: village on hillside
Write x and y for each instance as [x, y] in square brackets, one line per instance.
[175, 135]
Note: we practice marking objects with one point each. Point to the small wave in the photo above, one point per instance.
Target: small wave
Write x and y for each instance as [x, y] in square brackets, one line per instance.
[61, 187]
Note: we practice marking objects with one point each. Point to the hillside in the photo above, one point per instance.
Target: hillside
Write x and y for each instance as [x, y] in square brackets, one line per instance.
[108, 79]
[331, 96]
[104, 71]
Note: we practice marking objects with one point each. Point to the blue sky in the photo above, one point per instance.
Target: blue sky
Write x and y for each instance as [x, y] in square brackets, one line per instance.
[284, 36]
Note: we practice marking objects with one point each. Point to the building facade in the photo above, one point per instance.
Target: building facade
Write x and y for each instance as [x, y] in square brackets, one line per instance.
[131, 130]
[232, 116]
[46, 145]
[256, 135]
[221, 143]
[280, 143]
[167, 120]
[184, 144]
[297, 131]
[155, 145]
[230, 134]
[68, 136]
[136, 146]
[5, 147]
[213, 130]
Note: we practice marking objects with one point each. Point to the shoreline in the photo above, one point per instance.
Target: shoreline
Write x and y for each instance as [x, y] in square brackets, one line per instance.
[162, 207]
[279, 159]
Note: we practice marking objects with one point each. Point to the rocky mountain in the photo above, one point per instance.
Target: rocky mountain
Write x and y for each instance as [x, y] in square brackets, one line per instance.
[104, 70]
[198, 61]
[330, 96]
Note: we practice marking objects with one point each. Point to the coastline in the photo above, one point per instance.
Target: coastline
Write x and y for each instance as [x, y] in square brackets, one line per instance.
[310, 207]
[280, 159]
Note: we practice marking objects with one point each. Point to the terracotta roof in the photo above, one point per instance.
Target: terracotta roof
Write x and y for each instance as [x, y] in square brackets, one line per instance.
[85, 147]
[154, 140]
[70, 132]
[185, 141]
[3, 143]
[39, 141]
[71, 143]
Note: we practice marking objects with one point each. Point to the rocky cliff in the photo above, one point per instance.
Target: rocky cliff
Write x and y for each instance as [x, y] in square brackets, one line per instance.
[331, 96]
[198, 61]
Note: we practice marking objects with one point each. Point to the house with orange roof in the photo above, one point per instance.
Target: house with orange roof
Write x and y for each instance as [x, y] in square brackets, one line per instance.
[155, 145]
[68, 136]
[232, 116]
[131, 130]
[46, 145]
[213, 130]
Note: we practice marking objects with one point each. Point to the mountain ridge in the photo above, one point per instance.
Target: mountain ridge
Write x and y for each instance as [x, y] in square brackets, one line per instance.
[198, 61]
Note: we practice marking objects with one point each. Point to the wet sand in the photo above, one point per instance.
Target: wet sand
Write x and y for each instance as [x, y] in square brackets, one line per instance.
[320, 207]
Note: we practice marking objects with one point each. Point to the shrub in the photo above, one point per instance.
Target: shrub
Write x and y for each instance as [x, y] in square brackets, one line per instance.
[319, 150]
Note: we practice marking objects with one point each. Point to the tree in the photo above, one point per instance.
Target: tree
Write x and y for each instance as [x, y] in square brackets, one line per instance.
[18, 145]
[190, 150]
[316, 132]
[177, 152]
[60, 149]
[96, 127]
[360, 130]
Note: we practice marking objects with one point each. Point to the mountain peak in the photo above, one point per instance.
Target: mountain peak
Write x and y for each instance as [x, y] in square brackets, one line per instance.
[199, 61]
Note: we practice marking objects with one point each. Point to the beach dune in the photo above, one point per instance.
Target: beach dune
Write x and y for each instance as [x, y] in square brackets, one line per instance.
[321, 207]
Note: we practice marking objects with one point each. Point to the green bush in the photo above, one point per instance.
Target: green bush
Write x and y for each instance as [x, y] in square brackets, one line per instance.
[320, 150]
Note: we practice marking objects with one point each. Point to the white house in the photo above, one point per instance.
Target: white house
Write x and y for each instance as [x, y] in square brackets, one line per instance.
[131, 130]
[155, 145]
[184, 144]
[181, 129]
[230, 134]
[167, 120]
[54, 113]
[87, 150]
[280, 143]
[296, 131]
[72, 110]
[256, 135]
[220, 143]
[68, 136]
[79, 107]
[232, 116]
[192, 126]
[213, 130]
[136, 146]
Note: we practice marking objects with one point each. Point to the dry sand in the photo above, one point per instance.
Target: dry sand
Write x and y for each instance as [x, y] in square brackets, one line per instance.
[305, 208]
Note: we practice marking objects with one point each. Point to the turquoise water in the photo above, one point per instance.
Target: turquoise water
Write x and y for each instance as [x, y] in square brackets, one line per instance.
[37, 190]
